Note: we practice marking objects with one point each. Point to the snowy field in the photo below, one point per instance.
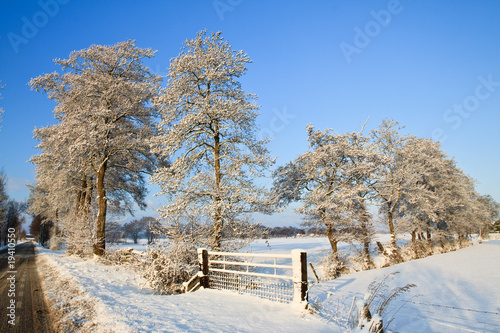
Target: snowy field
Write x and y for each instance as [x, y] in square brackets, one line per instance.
[455, 292]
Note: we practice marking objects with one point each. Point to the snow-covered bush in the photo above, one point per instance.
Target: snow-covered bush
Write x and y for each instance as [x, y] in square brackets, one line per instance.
[416, 250]
[121, 257]
[359, 260]
[392, 255]
[463, 242]
[57, 243]
[334, 266]
[166, 267]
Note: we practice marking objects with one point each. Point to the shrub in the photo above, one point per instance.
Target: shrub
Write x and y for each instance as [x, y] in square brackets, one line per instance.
[392, 255]
[121, 257]
[166, 267]
[334, 266]
[417, 250]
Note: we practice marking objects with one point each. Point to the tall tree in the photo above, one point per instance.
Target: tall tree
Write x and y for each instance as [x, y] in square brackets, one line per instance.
[208, 125]
[421, 206]
[331, 180]
[14, 218]
[103, 105]
[57, 175]
[153, 228]
[392, 176]
[134, 228]
[490, 212]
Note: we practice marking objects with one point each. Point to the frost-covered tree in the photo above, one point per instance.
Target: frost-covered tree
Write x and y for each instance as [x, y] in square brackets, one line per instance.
[53, 197]
[490, 212]
[56, 174]
[331, 181]
[208, 129]
[14, 218]
[496, 226]
[421, 206]
[103, 106]
[134, 228]
[392, 177]
[464, 212]
[114, 232]
[422, 190]
[153, 228]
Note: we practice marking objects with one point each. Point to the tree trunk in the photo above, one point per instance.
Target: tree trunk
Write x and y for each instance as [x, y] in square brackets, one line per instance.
[391, 225]
[100, 245]
[333, 242]
[366, 238]
[84, 196]
[218, 223]
[79, 194]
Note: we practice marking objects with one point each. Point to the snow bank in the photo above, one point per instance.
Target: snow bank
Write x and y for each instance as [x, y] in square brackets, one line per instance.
[123, 303]
[456, 292]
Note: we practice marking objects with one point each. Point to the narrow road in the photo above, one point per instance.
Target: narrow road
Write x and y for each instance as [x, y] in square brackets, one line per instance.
[22, 304]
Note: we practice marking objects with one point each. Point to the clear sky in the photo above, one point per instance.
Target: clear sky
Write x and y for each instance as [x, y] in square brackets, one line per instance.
[434, 66]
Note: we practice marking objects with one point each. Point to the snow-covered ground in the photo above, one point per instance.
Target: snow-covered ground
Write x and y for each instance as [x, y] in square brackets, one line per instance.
[455, 292]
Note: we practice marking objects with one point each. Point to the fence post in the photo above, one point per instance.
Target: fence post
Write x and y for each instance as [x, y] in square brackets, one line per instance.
[299, 263]
[203, 262]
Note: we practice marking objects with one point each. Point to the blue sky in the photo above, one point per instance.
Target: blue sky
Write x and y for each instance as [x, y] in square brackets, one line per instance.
[433, 66]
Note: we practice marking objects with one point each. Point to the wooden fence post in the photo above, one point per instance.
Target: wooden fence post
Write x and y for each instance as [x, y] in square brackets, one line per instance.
[203, 262]
[299, 263]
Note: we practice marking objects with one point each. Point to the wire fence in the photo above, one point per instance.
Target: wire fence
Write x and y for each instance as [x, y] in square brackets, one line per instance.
[278, 290]
[449, 318]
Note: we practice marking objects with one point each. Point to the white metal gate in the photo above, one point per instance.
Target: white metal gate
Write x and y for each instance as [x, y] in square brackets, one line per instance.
[277, 277]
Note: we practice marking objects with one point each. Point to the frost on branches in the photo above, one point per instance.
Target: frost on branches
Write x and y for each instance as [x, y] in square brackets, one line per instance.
[94, 157]
[208, 129]
[331, 181]
[418, 189]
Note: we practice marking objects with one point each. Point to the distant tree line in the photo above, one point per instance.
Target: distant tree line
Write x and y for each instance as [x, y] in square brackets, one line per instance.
[291, 231]
[144, 228]
[11, 213]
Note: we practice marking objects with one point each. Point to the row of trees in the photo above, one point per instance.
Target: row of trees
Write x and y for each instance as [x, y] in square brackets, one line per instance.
[197, 140]
[147, 226]
[291, 231]
[416, 187]
[11, 212]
